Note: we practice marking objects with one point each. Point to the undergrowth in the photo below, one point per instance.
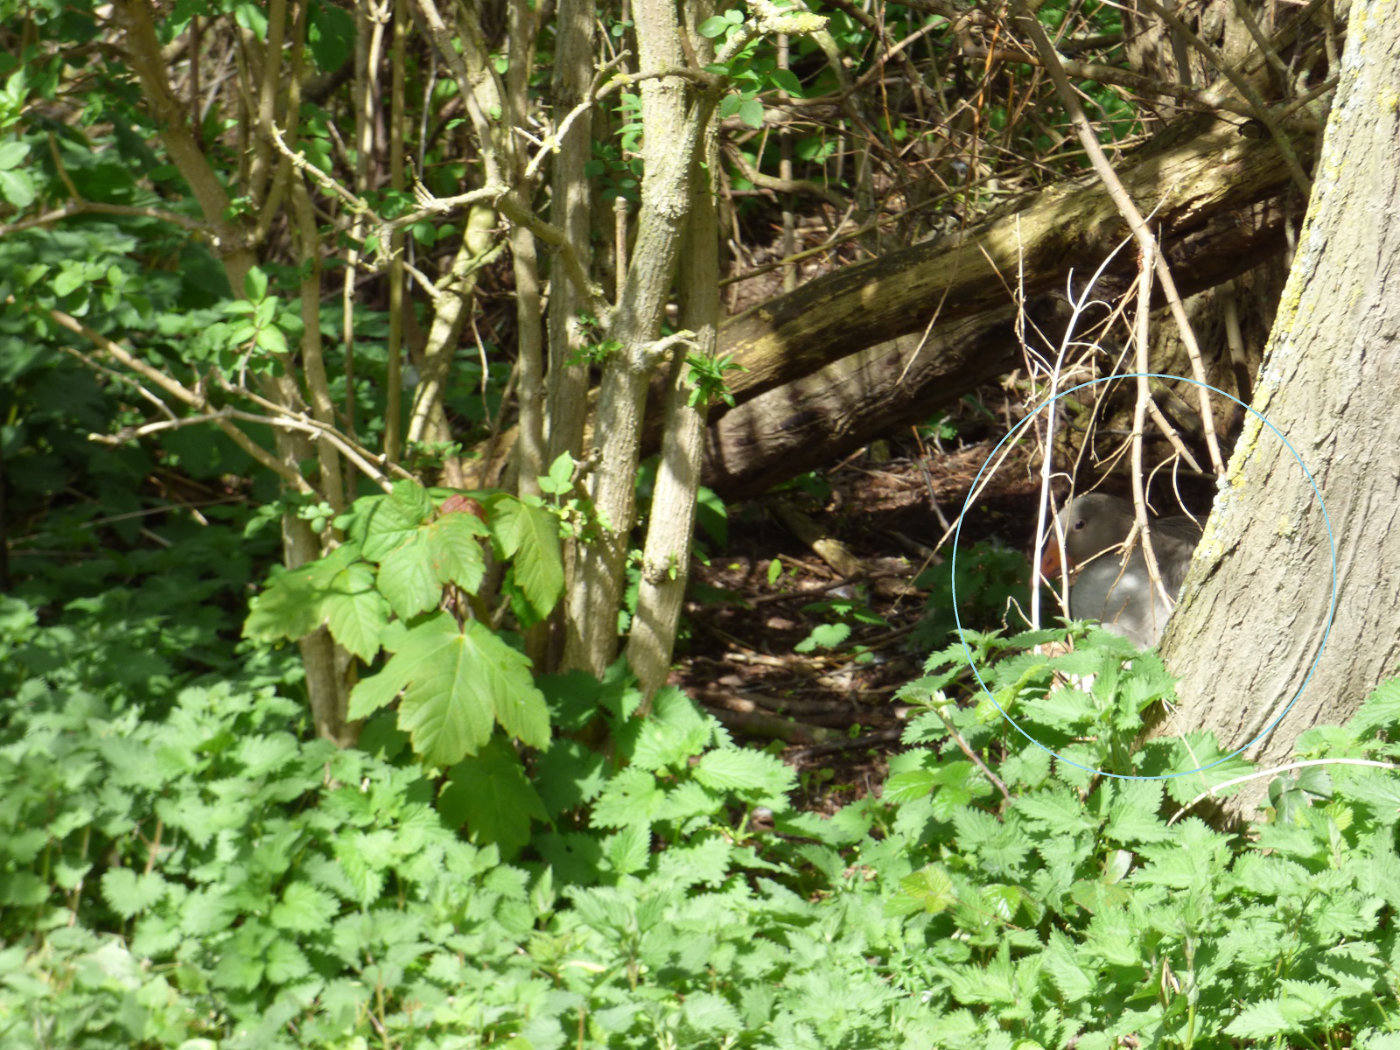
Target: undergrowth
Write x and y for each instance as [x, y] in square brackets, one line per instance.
[204, 876]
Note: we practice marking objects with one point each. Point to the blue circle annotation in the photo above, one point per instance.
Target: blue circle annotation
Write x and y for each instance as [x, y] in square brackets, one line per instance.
[957, 535]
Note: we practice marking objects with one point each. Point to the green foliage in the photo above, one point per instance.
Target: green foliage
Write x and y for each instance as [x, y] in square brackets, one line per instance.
[457, 681]
[181, 867]
[405, 554]
[205, 874]
[844, 614]
[707, 378]
[991, 579]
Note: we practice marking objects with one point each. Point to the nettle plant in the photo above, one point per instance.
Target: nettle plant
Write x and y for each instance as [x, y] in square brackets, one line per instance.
[412, 579]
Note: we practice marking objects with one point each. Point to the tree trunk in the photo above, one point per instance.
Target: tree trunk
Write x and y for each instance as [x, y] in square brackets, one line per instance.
[666, 555]
[1248, 637]
[838, 408]
[671, 122]
[1211, 177]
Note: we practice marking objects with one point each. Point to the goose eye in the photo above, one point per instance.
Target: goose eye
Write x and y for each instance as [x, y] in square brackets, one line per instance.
[1079, 524]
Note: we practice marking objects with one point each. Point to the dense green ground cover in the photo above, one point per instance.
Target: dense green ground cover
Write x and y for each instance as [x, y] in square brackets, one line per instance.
[181, 866]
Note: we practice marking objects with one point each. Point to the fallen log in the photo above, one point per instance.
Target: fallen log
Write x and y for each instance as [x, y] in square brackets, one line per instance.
[1184, 188]
[820, 417]
[812, 386]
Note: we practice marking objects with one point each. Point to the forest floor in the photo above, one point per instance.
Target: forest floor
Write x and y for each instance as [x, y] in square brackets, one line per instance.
[748, 652]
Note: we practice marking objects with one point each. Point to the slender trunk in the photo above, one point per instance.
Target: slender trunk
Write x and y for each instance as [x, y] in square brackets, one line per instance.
[671, 125]
[570, 204]
[671, 528]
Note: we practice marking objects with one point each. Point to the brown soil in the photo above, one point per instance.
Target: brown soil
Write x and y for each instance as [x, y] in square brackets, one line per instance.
[831, 709]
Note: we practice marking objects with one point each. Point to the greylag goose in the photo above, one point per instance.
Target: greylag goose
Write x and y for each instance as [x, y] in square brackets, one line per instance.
[1102, 587]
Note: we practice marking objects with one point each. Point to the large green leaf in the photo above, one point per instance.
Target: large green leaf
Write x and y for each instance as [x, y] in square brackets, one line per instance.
[396, 518]
[455, 550]
[491, 794]
[456, 683]
[407, 579]
[291, 605]
[529, 534]
[355, 612]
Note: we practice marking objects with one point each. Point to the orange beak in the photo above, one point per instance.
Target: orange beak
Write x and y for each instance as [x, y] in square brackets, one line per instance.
[1051, 559]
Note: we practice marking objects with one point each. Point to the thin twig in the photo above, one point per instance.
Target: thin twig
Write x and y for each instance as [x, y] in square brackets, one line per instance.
[1119, 195]
[1275, 770]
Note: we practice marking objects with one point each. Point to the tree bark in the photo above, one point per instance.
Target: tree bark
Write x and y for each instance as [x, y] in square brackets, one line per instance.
[570, 212]
[1255, 610]
[672, 122]
[671, 527]
[1217, 213]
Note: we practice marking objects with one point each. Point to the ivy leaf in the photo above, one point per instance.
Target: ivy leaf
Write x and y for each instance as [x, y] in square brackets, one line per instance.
[529, 534]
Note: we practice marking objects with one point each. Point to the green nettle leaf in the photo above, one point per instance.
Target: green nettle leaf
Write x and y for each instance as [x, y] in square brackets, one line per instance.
[303, 909]
[629, 849]
[355, 611]
[928, 890]
[711, 1014]
[824, 636]
[676, 731]
[129, 893]
[529, 534]
[736, 769]
[394, 518]
[285, 962]
[407, 579]
[455, 550]
[456, 683]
